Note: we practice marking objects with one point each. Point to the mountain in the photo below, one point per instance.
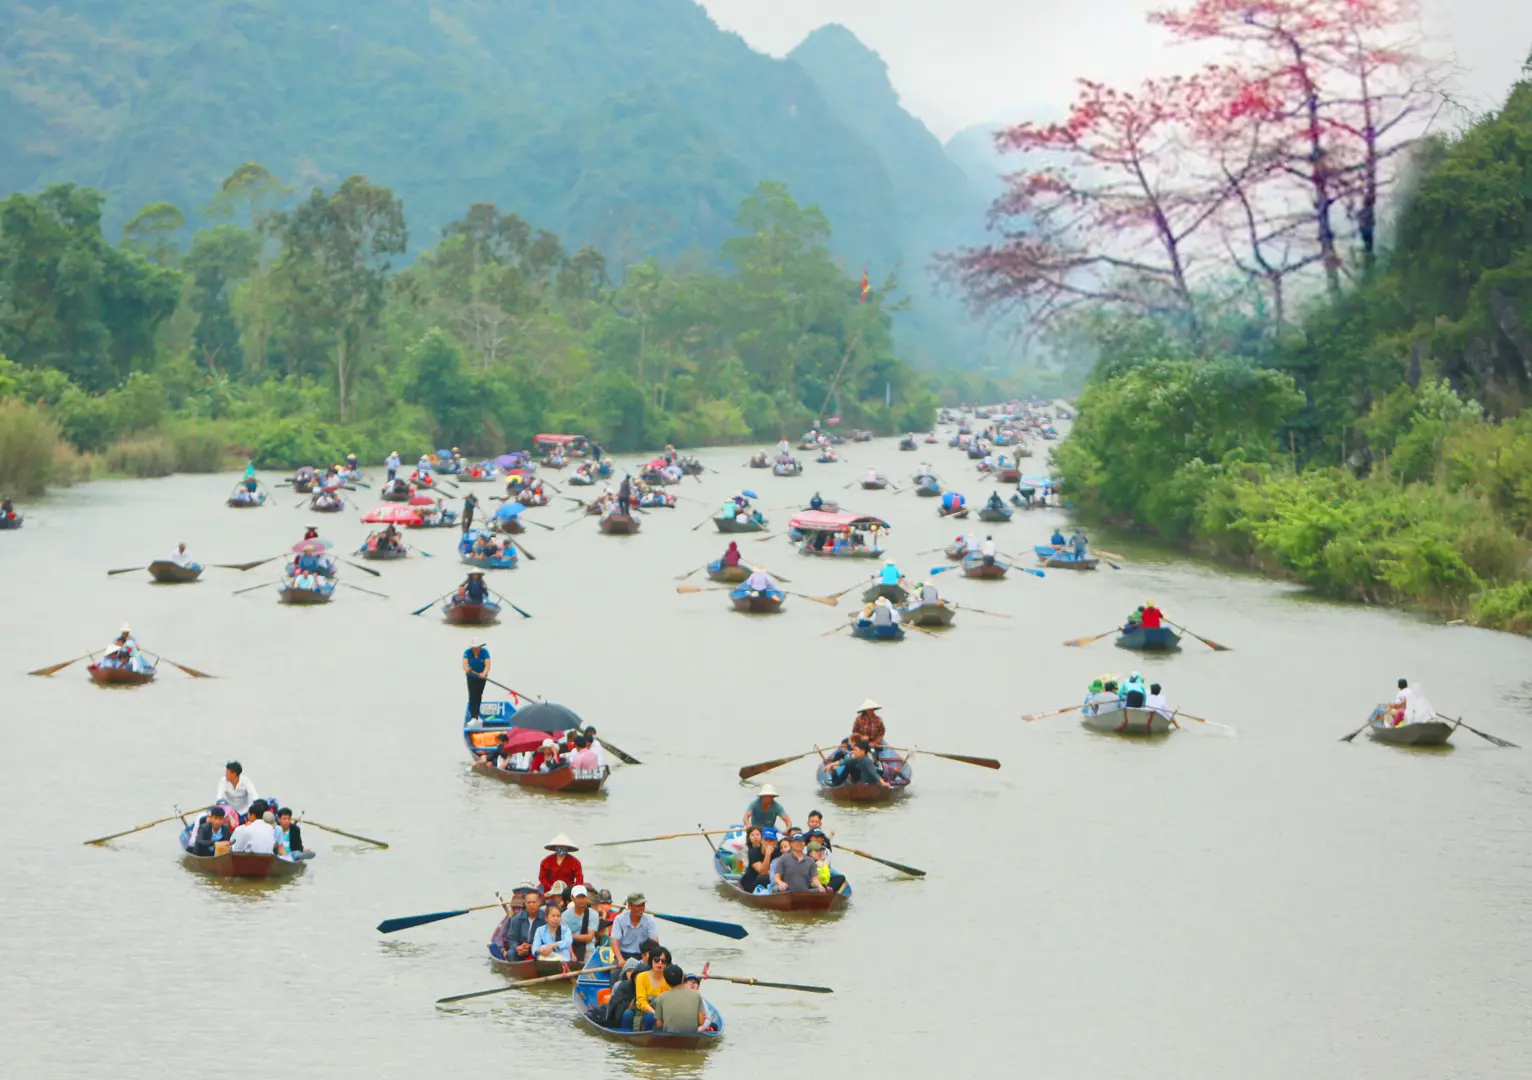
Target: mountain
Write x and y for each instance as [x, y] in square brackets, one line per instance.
[973, 150]
[634, 127]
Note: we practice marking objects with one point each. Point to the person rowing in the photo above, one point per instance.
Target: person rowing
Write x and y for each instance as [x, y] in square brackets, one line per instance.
[995, 502]
[732, 557]
[764, 811]
[760, 581]
[179, 555]
[1409, 706]
[868, 725]
[889, 574]
[474, 590]
[879, 613]
[816, 503]
[123, 653]
[1079, 543]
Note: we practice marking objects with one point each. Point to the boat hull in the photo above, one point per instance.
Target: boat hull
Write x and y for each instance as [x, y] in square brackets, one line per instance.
[867, 631]
[291, 594]
[379, 555]
[1122, 720]
[240, 504]
[619, 525]
[588, 1006]
[895, 770]
[116, 676]
[563, 780]
[169, 573]
[241, 864]
[731, 525]
[1429, 733]
[977, 568]
[470, 614]
[894, 594]
[757, 603]
[1063, 558]
[991, 514]
[727, 574]
[1152, 639]
[874, 485]
[927, 615]
[786, 470]
[928, 492]
[489, 562]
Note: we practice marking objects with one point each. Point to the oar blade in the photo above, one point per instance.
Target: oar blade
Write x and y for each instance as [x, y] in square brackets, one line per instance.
[774, 985]
[393, 926]
[982, 762]
[913, 871]
[766, 766]
[711, 926]
[123, 570]
[46, 671]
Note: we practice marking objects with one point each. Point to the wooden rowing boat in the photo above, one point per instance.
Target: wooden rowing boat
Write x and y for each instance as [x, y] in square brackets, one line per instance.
[1121, 720]
[380, 554]
[173, 573]
[919, 613]
[734, 525]
[1149, 639]
[875, 485]
[526, 969]
[990, 513]
[787, 469]
[619, 524]
[240, 864]
[896, 770]
[563, 779]
[1063, 558]
[755, 602]
[467, 614]
[291, 594]
[867, 630]
[717, 571]
[119, 676]
[895, 594]
[243, 504]
[724, 865]
[505, 561]
[590, 991]
[928, 491]
[956, 551]
[1424, 733]
[974, 566]
[961, 513]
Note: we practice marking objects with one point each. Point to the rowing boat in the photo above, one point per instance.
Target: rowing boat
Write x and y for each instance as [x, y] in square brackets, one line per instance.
[961, 513]
[468, 614]
[734, 525]
[563, 779]
[727, 574]
[785, 468]
[593, 987]
[981, 569]
[531, 968]
[896, 770]
[998, 514]
[867, 630]
[291, 594]
[920, 613]
[502, 560]
[726, 864]
[757, 602]
[895, 593]
[877, 484]
[1149, 639]
[119, 676]
[173, 573]
[928, 491]
[1118, 719]
[956, 551]
[1423, 733]
[242, 864]
[1063, 558]
[619, 524]
[258, 499]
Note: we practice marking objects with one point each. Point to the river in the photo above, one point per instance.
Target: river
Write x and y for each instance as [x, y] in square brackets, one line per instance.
[1271, 904]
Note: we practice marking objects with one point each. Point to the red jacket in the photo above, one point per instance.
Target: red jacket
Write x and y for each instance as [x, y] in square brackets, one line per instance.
[1151, 618]
[569, 872]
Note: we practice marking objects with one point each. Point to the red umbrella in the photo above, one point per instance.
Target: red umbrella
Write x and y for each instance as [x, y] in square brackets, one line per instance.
[418, 499]
[318, 542]
[393, 514]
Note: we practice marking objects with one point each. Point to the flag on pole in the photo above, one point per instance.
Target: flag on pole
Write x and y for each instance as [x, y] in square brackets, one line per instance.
[866, 285]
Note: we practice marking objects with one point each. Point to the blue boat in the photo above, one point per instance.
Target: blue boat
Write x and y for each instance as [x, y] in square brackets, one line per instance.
[507, 560]
[761, 602]
[928, 491]
[1064, 558]
[593, 986]
[867, 631]
[1150, 639]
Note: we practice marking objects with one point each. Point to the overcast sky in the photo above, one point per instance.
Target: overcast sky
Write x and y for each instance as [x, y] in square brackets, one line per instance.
[962, 62]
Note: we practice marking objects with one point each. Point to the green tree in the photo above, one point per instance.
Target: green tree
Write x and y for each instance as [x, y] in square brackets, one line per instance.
[152, 231]
[220, 259]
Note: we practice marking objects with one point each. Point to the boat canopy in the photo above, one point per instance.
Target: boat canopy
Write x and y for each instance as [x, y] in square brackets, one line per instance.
[824, 521]
[541, 441]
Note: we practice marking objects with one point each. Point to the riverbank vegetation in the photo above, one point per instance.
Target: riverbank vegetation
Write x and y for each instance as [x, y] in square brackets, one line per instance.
[289, 333]
[1320, 371]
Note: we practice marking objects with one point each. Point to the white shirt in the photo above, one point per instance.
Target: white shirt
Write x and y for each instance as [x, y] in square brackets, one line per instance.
[988, 549]
[760, 581]
[238, 796]
[257, 837]
[1158, 703]
[1405, 696]
[179, 557]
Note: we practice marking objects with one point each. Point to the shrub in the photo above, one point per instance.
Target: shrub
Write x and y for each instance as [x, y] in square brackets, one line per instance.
[29, 441]
[200, 446]
[143, 455]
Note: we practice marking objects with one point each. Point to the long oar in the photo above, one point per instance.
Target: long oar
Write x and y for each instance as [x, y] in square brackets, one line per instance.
[145, 825]
[369, 592]
[1358, 731]
[1016, 565]
[689, 589]
[574, 974]
[825, 600]
[766, 766]
[1029, 717]
[252, 588]
[1483, 735]
[701, 523]
[512, 690]
[1077, 642]
[689, 573]
[1108, 554]
[774, 985]
[193, 672]
[45, 671]
[246, 565]
[364, 569]
[523, 549]
[652, 839]
[1210, 644]
[982, 762]
[430, 604]
[124, 570]
[513, 607]
[913, 871]
[619, 753]
[981, 611]
[540, 525]
[342, 832]
[837, 630]
[1210, 723]
[711, 926]
[423, 553]
[393, 926]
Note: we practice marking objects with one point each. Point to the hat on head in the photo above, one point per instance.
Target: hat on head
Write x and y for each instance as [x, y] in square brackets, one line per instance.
[1135, 677]
[126, 629]
[867, 704]
[578, 890]
[1096, 686]
[814, 845]
[635, 899]
[525, 886]
[549, 742]
[475, 642]
[767, 789]
[604, 896]
[691, 977]
[883, 601]
[558, 888]
[560, 842]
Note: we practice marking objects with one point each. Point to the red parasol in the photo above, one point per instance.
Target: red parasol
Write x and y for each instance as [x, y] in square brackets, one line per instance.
[393, 514]
[418, 499]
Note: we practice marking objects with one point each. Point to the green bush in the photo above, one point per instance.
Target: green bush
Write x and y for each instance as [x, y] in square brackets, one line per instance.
[200, 446]
[142, 455]
[29, 442]
[1506, 608]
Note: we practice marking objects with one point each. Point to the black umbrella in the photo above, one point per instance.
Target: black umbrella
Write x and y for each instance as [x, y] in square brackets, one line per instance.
[546, 716]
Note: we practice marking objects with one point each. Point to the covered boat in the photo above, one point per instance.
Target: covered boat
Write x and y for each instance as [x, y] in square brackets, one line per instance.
[717, 571]
[1411, 733]
[571, 445]
[1118, 719]
[920, 613]
[167, 572]
[727, 863]
[501, 717]
[734, 525]
[756, 601]
[290, 593]
[1064, 558]
[242, 864]
[593, 987]
[471, 614]
[1149, 639]
[974, 566]
[619, 524]
[838, 534]
[896, 770]
[119, 676]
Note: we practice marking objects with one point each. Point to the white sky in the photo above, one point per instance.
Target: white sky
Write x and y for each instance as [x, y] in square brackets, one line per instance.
[962, 62]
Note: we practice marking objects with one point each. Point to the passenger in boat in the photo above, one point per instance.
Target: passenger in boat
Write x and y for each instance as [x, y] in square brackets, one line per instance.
[582, 920]
[859, 768]
[1405, 702]
[1157, 701]
[764, 810]
[623, 992]
[648, 986]
[291, 836]
[995, 502]
[393, 464]
[760, 581]
[212, 830]
[882, 613]
[732, 556]
[476, 665]
[796, 871]
[1150, 616]
[988, 551]
[681, 1010]
[546, 759]
[757, 861]
[928, 593]
[474, 588]
[561, 865]
[235, 791]
[515, 933]
[819, 851]
[1099, 697]
[871, 477]
[889, 575]
[632, 928]
[1057, 539]
[816, 503]
[1134, 692]
[258, 835]
[1135, 620]
[585, 760]
[553, 940]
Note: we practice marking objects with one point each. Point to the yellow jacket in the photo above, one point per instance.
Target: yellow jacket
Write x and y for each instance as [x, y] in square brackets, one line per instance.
[647, 985]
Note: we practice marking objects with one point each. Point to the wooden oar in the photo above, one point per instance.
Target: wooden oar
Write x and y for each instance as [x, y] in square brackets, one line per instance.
[617, 752]
[1210, 723]
[572, 974]
[1483, 735]
[252, 588]
[980, 611]
[982, 762]
[1108, 554]
[364, 569]
[689, 573]
[193, 672]
[342, 832]
[145, 825]
[124, 570]
[540, 525]
[427, 606]
[652, 839]
[701, 523]
[765, 537]
[773, 985]
[1029, 717]
[1077, 642]
[512, 690]
[911, 870]
[766, 766]
[358, 588]
[1358, 731]
[837, 630]
[817, 599]
[689, 589]
[513, 607]
[245, 566]
[422, 551]
[393, 926]
[1210, 644]
[523, 549]
[45, 671]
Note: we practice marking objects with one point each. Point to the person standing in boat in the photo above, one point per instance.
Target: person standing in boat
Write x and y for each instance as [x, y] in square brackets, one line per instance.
[7, 509]
[476, 665]
[1080, 543]
[470, 504]
[235, 791]
[868, 725]
[625, 494]
[393, 464]
[764, 810]
[1150, 617]
[561, 865]
[987, 551]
